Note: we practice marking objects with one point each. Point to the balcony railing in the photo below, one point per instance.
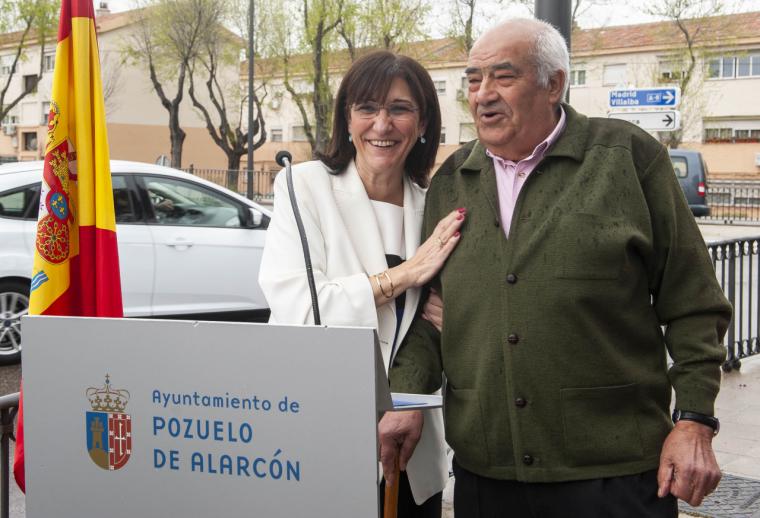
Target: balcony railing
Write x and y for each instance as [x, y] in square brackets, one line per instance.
[733, 202]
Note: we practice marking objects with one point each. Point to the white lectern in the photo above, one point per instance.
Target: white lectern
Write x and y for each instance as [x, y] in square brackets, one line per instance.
[154, 418]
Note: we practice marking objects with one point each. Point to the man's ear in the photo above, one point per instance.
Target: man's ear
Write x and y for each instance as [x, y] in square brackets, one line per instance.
[557, 86]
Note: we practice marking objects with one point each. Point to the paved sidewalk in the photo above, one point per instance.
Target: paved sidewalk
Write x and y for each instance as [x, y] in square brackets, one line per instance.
[737, 446]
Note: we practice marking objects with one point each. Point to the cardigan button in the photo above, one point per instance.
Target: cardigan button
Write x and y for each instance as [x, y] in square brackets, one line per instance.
[520, 402]
[527, 460]
[513, 338]
[512, 278]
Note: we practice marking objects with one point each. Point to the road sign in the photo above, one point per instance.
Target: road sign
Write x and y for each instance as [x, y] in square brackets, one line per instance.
[664, 120]
[645, 97]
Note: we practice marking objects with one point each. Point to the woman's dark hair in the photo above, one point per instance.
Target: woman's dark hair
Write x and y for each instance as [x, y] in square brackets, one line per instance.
[369, 79]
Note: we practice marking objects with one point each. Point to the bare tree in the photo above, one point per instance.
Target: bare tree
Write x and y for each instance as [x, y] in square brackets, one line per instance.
[691, 18]
[327, 30]
[34, 23]
[110, 72]
[217, 68]
[463, 15]
[302, 35]
[169, 36]
[223, 112]
[579, 8]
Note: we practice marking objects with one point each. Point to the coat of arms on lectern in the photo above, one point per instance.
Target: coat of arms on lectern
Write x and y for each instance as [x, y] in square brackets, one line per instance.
[108, 427]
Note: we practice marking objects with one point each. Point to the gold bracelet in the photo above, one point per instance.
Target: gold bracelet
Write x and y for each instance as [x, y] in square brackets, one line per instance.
[379, 286]
[390, 281]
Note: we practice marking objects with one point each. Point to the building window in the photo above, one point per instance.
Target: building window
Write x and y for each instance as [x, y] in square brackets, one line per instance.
[748, 66]
[45, 113]
[671, 71]
[747, 135]
[6, 64]
[49, 62]
[9, 124]
[739, 131]
[30, 141]
[276, 135]
[443, 135]
[614, 75]
[299, 134]
[728, 67]
[717, 134]
[577, 77]
[440, 87]
[30, 84]
[713, 68]
[467, 132]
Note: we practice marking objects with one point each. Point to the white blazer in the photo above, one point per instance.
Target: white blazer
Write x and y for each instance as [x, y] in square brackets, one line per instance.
[345, 246]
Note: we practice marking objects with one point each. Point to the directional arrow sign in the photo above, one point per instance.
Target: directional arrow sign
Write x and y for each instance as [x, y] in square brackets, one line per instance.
[665, 120]
[645, 97]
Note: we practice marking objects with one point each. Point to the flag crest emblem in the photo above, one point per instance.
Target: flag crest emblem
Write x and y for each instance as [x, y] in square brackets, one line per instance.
[108, 427]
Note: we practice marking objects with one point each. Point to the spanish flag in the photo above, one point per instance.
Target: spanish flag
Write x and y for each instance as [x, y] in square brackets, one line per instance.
[76, 262]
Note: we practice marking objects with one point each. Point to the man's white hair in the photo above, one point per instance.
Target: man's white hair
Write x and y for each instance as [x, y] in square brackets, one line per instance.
[548, 53]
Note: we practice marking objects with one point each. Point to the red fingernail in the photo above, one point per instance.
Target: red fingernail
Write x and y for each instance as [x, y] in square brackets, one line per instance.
[461, 216]
[456, 234]
[462, 210]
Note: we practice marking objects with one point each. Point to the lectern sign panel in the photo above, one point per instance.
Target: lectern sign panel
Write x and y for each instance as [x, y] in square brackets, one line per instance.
[273, 421]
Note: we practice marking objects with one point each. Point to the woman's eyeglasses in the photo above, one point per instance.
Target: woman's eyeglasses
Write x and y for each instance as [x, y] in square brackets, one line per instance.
[399, 111]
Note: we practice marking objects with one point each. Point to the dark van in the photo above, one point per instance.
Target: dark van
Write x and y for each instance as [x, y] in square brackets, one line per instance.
[691, 171]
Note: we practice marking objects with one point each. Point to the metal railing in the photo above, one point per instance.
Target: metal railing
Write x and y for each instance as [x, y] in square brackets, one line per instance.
[237, 180]
[8, 409]
[737, 266]
[733, 202]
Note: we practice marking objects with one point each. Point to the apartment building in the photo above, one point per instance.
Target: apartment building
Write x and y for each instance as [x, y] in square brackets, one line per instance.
[137, 122]
[720, 111]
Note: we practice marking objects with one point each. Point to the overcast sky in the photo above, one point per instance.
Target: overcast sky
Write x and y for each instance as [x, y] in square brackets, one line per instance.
[617, 12]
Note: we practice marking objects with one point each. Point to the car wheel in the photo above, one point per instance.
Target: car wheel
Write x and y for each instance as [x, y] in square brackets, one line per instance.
[14, 303]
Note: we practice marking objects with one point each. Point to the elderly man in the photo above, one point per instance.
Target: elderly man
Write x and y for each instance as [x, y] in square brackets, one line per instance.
[580, 265]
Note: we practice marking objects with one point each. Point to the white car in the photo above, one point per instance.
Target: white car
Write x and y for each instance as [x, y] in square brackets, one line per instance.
[188, 248]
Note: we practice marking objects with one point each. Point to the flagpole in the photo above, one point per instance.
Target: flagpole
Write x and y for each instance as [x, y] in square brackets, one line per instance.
[249, 165]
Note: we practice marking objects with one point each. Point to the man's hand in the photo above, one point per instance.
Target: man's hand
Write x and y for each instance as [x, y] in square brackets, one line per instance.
[399, 433]
[688, 469]
[433, 310]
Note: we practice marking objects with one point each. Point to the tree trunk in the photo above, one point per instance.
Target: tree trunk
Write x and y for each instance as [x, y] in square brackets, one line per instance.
[176, 136]
[233, 161]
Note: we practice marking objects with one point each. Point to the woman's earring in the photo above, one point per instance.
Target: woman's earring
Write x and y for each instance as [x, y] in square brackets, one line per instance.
[422, 139]
[350, 138]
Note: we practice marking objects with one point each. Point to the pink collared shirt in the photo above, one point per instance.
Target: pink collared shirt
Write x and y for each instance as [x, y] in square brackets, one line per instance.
[511, 176]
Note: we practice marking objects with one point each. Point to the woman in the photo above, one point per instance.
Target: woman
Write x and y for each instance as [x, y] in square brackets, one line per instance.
[362, 206]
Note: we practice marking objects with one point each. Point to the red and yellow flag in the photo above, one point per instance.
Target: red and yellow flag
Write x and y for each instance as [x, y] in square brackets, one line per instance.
[76, 262]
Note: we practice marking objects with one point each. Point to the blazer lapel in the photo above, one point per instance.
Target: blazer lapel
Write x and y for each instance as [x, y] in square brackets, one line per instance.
[414, 207]
[359, 217]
